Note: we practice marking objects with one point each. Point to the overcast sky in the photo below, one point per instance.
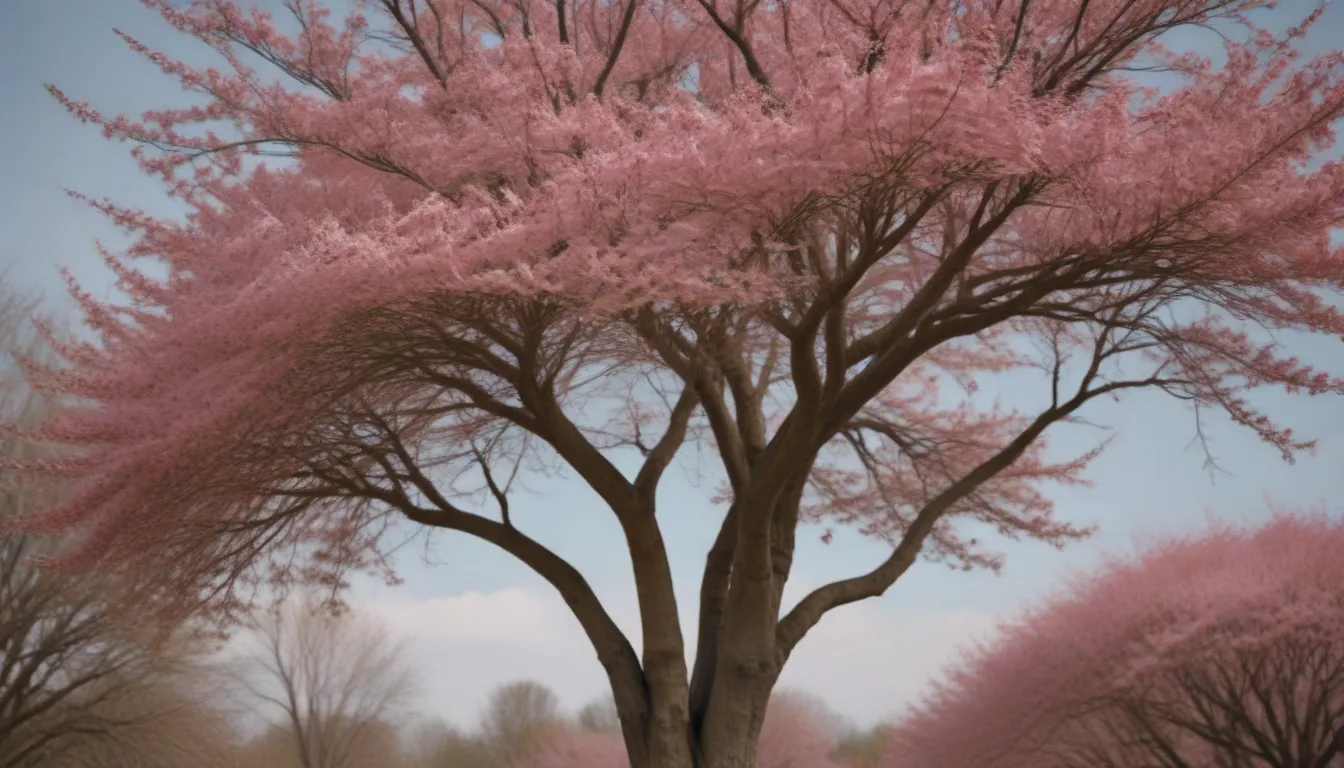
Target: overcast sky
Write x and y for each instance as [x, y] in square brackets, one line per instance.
[477, 618]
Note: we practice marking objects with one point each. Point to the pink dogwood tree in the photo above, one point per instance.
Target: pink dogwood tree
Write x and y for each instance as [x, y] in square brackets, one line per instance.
[1224, 651]
[506, 235]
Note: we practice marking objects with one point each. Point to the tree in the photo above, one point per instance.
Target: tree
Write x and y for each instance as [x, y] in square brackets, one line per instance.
[507, 236]
[862, 749]
[73, 675]
[77, 678]
[167, 724]
[799, 732]
[601, 717]
[579, 748]
[80, 685]
[437, 745]
[1224, 651]
[332, 681]
[517, 718]
[272, 748]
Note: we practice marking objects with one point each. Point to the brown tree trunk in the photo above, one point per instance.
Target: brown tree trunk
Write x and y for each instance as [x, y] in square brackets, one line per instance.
[716, 720]
[728, 739]
[745, 674]
[669, 733]
[732, 725]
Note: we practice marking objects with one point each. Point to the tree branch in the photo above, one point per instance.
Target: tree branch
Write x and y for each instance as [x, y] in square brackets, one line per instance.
[660, 456]
[811, 608]
[409, 26]
[617, 45]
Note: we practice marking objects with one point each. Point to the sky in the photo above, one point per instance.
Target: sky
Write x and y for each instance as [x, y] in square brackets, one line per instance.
[474, 618]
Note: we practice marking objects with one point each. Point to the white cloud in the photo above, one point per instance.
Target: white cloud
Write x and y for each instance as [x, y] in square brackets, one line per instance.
[507, 616]
[869, 664]
[466, 645]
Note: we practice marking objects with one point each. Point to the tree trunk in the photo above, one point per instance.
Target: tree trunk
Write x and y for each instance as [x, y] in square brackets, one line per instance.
[729, 740]
[732, 725]
[728, 729]
[716, 720]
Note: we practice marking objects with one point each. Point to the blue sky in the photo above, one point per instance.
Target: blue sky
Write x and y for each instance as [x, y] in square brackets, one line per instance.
[479, 618]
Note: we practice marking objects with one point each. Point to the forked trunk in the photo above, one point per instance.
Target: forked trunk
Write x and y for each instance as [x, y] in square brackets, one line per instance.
[727, 738]
[714, 720]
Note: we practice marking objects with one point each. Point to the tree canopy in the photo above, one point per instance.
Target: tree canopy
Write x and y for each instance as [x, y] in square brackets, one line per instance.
[440, 243]
[1225, 649]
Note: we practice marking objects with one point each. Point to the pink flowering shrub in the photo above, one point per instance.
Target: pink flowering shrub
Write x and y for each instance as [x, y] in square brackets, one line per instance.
[1221, 650]
[574, 748]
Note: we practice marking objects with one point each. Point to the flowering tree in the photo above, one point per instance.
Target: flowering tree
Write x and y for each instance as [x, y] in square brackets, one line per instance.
[507, 234]
[77, 677]
[576, 748]
[1225, 651]
[797, 733]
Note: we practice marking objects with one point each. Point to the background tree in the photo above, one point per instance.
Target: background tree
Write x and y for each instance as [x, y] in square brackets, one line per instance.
[273, 747]
[577, 747]
[78, 678]
[601, 717]
[79, 685]
[862, 748]
[517, 718]
[438, 745]
[515, 234]
[332, 681]
[799, 730]
[1225, 650]
[381, 744]
[168, 724]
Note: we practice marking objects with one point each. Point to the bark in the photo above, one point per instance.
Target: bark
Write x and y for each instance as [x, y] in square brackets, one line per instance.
[729, 739]
[716, 721]
[733, 723]
[713, 593]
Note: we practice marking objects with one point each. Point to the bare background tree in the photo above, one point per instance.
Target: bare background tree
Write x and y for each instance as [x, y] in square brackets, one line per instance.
[516, 718]
[272, 748]
[862, 748]
[165, 724]
[439, 745]
[601, 717]
[331, 681]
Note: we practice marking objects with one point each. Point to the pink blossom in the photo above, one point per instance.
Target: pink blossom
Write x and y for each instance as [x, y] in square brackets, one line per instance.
[511, 236]
[1229, 645]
